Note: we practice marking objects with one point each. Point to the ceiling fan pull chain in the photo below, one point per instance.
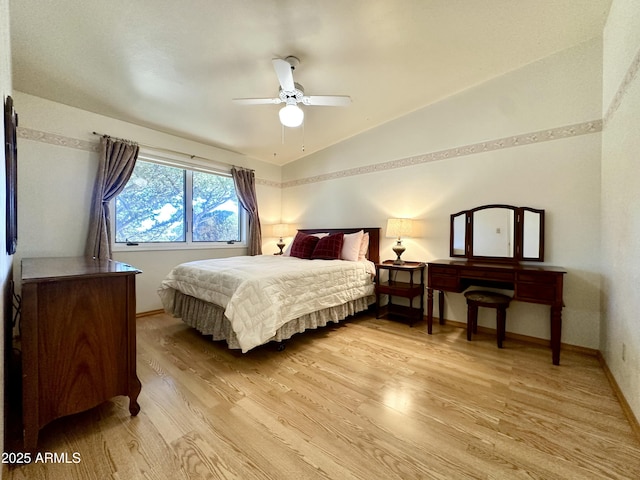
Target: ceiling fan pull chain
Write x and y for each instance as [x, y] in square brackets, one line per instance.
[303, 136]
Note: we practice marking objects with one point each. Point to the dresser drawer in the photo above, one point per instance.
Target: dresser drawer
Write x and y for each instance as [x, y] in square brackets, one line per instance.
[486, 274]
[537, 277]
[536, 292]
[442, 271]
[443, 282]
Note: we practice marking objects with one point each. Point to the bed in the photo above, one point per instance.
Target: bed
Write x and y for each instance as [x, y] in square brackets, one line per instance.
[252, 300]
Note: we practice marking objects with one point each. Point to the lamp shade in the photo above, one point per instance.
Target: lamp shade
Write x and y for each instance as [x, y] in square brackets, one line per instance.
[281, 230]
[399, 227]
[291, 115]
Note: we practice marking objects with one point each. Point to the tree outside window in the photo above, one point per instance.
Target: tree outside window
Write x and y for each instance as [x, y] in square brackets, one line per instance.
[158, 199]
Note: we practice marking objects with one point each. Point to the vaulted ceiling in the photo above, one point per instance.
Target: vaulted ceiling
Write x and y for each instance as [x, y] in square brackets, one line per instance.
[175, 66]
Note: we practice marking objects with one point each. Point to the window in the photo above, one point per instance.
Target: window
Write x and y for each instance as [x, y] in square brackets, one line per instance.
[168, 204]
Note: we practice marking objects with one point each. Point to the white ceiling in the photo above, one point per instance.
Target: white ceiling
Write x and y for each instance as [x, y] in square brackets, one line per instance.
[174, 66]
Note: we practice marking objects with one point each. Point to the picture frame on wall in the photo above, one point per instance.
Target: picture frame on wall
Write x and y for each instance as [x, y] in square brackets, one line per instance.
[11, 168]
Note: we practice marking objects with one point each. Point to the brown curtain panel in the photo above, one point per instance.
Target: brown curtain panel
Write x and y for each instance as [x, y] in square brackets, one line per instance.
[117, 160]
[245, 182]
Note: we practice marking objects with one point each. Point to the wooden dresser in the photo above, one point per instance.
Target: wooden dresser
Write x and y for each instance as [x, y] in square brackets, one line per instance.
[78, 338]
[530, 283]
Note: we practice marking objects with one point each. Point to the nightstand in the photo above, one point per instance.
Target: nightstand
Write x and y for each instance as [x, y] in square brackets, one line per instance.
[409, 290]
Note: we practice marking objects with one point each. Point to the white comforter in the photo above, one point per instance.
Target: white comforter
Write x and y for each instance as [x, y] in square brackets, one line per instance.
[262, 293]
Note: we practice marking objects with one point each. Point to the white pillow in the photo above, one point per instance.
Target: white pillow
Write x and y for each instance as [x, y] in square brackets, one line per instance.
[287, 251]
[351, 246]
[364, 246]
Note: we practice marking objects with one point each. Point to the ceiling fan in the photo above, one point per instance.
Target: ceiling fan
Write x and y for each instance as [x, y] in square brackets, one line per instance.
[291, 93]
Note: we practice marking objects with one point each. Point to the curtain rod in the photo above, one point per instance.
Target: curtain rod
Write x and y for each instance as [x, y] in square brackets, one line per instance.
[168, 150]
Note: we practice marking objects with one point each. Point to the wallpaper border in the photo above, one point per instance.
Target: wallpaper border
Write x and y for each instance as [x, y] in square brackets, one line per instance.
[63, 141]
[568, 131]
[55, 139]
[623, 89]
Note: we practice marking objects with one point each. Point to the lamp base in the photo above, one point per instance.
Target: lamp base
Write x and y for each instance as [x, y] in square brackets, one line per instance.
[399, 249]
[280, 245]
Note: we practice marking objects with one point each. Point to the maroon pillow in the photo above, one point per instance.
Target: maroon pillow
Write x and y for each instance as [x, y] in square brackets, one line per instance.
[329, 248]
[303, 245]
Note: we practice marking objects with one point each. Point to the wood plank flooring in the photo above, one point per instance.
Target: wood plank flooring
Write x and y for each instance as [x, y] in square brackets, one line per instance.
[367, 399]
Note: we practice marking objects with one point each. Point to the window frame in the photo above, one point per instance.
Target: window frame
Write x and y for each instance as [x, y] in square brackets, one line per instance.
[193, 164]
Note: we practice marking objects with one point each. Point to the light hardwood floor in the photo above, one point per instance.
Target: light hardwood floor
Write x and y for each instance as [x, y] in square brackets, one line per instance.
[367, 399]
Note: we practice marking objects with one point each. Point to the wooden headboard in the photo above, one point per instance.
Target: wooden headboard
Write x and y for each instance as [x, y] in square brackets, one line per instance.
[374, 238]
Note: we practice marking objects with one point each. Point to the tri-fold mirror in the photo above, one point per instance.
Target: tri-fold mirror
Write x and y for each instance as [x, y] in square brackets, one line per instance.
[501, 233]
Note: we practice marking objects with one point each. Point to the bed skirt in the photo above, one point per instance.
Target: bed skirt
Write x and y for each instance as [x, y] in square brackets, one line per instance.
[209, 319]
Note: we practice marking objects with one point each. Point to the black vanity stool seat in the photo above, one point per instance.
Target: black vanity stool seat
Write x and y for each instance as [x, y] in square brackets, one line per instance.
[481, 298]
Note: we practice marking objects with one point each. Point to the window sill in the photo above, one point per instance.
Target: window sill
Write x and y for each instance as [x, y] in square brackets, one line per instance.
[149, 247]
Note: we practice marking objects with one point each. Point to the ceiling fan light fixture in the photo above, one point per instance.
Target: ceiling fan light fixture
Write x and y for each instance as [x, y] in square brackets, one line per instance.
[291, 115]
[291, 94]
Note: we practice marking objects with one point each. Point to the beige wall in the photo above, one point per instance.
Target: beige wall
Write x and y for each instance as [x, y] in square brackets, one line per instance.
[5, 260]
[56, 172]
[620, 329]
[370, 177]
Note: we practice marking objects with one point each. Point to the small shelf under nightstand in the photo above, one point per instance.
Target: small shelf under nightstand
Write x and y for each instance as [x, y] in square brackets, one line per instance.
[409, 290]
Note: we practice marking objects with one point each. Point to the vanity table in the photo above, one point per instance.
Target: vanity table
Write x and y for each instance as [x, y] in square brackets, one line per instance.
[491, 241]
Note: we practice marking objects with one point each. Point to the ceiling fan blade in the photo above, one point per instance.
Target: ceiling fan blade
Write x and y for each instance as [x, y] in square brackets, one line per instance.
[327, 100]
[257, 101]
[285, 76]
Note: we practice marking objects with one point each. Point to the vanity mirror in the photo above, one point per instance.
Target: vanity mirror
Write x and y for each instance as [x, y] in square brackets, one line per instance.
[501, 233]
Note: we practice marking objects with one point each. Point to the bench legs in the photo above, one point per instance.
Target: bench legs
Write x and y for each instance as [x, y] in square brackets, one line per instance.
[501, 320]
[472, 322]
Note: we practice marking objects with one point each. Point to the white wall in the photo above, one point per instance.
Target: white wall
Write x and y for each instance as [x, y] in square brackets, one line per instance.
[5, 260]
[620, 342]
[390, 172]
[56, 171]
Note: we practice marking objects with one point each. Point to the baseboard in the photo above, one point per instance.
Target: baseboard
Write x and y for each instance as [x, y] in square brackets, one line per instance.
[528, 339]
[149, 313]
[626, 408]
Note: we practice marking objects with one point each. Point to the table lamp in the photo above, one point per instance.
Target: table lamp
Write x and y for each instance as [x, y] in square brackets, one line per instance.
[398, 228]
[280, 230]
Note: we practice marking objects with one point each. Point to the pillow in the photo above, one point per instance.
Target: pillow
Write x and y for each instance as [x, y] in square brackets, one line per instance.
[303, 245]
[287, 251]
[351, 246]
[364, 247]
[328, 248]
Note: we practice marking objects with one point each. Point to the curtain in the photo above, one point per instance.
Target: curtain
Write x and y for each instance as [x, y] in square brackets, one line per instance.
[245, 183]
[117, 159]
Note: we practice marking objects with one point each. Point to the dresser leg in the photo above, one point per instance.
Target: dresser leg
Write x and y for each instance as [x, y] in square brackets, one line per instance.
[429, 310]
[441, 306]
[134, 390]
[556, 329]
